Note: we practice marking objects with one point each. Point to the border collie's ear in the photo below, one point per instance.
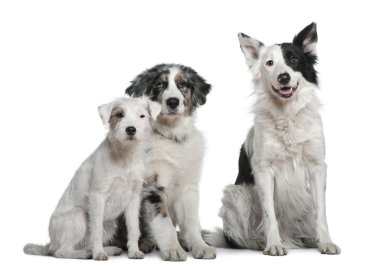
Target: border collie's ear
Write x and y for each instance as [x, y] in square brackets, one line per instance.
[105, 112]
[307, 39]
[200, 88]
[251, 48]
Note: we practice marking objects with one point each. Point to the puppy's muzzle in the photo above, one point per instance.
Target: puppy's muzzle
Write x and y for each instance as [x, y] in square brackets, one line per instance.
[131, 131]
[172, 103]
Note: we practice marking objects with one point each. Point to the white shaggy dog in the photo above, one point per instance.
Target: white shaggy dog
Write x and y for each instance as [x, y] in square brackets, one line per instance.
[171, 196]
[107, 184]
[278, 200]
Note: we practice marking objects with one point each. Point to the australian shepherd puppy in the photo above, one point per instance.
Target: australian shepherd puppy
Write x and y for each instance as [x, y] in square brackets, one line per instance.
[278, 200]
[171, 194]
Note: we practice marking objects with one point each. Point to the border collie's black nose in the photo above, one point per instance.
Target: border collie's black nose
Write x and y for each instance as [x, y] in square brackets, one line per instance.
[130, 131]
[172, 102]
[283, 78]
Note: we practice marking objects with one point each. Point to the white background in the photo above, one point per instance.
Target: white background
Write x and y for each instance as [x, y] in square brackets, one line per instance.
[60, 60]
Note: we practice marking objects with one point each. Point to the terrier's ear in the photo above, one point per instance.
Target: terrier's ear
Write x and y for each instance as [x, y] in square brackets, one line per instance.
[105, 112]
[251, 48]
[307, 39]
[154, 109]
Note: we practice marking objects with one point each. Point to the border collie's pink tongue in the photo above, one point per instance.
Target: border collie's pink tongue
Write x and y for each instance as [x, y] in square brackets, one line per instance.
[285, 90]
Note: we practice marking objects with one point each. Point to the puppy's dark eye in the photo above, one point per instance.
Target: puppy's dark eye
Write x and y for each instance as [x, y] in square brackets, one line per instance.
[142, 116]
[120, 115]
[293, 59]
[181, 84]
[160, 85]
[269, 63]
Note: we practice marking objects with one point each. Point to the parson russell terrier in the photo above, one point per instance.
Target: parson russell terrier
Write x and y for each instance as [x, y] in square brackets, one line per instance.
[107, 184]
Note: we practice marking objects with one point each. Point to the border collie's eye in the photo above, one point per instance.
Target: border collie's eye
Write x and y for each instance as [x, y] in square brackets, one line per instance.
[120, 115]
[142, 116]
[181, 84]
[160, 85]
[293, 59]
[269, 63]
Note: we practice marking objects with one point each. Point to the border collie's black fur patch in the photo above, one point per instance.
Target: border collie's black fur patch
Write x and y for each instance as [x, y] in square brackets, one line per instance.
[245, 174]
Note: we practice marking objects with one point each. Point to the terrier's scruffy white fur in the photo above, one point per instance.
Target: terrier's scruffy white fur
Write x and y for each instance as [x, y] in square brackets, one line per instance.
[107, 184]
[278, 200]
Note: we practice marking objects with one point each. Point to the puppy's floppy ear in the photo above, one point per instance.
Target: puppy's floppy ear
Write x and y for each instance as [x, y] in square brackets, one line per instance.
[105, 112]
[251, 48]
[154, 109]
[200, 88]
[141, 85]
[307, 39]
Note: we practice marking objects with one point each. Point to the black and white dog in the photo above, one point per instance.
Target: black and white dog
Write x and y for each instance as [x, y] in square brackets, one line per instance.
[171, 194]
[278, 200]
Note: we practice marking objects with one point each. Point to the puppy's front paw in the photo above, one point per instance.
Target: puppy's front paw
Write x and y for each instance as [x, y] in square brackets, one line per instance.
[99, 256]
[329, 248]
[175, 254]
[275, 250]
[203, 252]
[135, 254]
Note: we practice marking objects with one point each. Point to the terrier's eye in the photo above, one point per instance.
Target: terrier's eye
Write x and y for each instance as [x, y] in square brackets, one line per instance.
[159, 84]
[293, 59]
[120, 115]
[269, 63]
[142, 116]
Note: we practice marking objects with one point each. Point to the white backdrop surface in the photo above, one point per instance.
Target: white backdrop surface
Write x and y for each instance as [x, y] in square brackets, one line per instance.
[59, 60]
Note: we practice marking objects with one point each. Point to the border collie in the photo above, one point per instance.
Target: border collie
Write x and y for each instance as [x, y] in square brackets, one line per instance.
[278, 200]
[171, 194]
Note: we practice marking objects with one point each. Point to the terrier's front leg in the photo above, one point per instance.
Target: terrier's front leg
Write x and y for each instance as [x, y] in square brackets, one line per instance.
[96, 215]
[132, 221]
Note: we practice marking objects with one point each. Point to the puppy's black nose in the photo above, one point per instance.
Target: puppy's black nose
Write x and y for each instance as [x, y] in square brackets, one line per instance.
[172, 102]
[130, 131]
[283, 78]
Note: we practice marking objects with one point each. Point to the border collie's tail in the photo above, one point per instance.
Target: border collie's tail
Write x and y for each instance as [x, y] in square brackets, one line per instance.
[215, 238]
[33, 249]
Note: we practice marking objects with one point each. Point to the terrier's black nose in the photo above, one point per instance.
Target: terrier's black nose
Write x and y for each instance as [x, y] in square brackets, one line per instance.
[283, 78]
[130, 131]
[172, 102]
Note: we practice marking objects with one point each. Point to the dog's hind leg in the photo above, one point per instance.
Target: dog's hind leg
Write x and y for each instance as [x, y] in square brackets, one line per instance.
[239, 214]
[69, 253]
[68, 231]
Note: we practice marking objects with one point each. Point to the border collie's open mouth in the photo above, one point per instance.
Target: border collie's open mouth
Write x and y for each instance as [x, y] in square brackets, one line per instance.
[285, 92]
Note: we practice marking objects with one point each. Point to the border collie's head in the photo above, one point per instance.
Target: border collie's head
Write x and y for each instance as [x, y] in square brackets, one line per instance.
[285, 67]
[179, 89]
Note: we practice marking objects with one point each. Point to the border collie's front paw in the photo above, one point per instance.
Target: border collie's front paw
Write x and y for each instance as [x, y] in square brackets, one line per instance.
[203, 252]
[275, 250]
[329, 248]
[175, 254]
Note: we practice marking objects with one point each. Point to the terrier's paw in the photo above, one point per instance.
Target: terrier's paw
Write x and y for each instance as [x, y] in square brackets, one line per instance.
[203, 252]
[175, 254]
[100, 256]
[135, 254]
[329, 248]
[113, 251]
[275, 250]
